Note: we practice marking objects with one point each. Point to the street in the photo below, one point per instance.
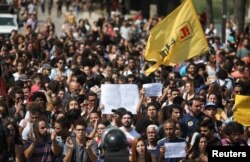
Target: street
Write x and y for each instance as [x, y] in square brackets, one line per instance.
[42, 18]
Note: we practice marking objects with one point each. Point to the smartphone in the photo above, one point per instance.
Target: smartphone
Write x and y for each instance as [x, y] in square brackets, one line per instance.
[59, 139]
[87, 138]
[31, 131]
[31, 127]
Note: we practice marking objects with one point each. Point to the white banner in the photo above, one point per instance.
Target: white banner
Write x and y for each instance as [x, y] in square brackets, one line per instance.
[114, 96]
[175, 150]
[153, 89]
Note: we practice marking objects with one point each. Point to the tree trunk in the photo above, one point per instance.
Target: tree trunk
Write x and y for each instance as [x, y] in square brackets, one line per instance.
[224, 20]
[210, 14]
[144, 4]
[172, 4]
[239, 13]
[166, 7]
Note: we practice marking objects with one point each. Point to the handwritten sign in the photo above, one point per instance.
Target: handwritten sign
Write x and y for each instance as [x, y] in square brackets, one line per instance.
[153, 89]
[114, 96]
[175, 150]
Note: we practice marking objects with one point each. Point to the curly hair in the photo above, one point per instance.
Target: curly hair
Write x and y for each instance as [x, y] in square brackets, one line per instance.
[233, 127]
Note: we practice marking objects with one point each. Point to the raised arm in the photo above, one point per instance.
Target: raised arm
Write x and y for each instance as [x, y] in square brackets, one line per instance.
[54, 147]
[142, 98]
[68, 150]
[29, 151]
[92, 155]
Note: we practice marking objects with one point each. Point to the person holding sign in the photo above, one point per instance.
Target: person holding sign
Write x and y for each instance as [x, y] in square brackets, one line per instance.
[171, 148]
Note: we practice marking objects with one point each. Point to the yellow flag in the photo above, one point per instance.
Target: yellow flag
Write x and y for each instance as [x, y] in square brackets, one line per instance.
[242, 110]
[176, 38]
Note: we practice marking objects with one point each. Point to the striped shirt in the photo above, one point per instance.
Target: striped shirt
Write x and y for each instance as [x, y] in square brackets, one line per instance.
[42, 152]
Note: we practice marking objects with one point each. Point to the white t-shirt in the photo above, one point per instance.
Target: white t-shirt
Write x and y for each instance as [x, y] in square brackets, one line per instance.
[26, 132]
[130, 135]
[16, 76]
[125, 32]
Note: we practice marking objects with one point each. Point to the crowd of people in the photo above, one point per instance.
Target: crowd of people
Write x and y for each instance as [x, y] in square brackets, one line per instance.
[50, 91]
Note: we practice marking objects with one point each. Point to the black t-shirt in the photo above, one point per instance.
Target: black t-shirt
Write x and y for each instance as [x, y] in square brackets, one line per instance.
[3, 144]
[215, 142]
[198, 81]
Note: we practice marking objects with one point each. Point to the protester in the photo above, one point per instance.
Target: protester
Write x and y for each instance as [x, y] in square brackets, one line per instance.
[41, 147]
[139, 151]
[169, 128]
[198, 151]
[52, 81]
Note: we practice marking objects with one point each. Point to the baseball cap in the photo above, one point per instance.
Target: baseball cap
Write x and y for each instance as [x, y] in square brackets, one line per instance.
[231, 39]
[119, 111]
[211, 104]
[116, 29]
[46, 66]
[127, 113]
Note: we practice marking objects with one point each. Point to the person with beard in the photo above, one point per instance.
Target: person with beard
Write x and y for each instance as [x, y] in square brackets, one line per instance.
[244, 52]
[128, 130]
[73, 104]
[193, 75]
[233, 132]
[41, 147]
[116, 116]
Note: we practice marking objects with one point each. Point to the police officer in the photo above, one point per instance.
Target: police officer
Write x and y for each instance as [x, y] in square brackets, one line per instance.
[114, 143]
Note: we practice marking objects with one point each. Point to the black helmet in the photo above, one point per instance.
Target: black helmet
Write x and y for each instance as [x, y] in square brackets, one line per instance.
[114, 139]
